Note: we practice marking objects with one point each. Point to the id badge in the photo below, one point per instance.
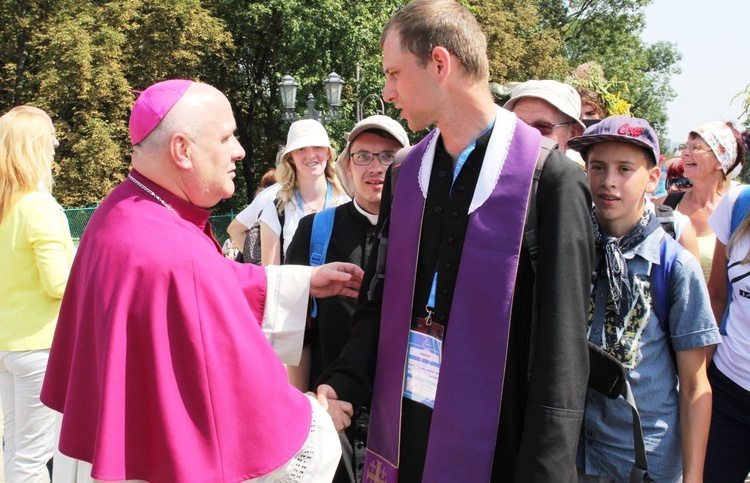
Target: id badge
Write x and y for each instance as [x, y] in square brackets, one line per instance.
[423, 363]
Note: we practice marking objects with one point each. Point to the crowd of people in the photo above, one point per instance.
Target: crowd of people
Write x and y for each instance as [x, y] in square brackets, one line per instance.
[489, 304]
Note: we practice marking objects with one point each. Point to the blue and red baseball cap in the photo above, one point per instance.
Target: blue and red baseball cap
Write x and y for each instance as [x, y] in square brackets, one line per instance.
[622, 129]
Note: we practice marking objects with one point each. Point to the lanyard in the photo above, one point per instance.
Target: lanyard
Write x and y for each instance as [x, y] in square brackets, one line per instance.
[329, 194]
[459, 164]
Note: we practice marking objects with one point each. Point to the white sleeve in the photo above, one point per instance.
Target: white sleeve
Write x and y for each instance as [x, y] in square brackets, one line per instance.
[270, 217]
[285, 312]
[720, 220]
[249, 215]
[680, 223]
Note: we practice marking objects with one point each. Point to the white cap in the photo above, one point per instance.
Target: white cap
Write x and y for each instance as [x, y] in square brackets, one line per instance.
[304, 133]
[385, 123]
[563, 97]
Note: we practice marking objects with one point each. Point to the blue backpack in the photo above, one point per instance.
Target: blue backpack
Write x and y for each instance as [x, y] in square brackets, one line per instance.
[739, 211]
[321, 236]
[661, 275]
[661, 280]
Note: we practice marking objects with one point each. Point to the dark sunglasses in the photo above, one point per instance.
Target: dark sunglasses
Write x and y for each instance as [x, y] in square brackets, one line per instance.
[681, 183]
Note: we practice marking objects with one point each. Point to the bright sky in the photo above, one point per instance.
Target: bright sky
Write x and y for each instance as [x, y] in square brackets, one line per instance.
[712, 37]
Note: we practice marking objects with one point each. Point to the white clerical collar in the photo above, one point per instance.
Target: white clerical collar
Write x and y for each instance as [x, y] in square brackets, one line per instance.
[494, 159]
[373, 219]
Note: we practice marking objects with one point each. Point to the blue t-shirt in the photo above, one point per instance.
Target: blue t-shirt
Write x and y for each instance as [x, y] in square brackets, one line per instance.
[638, 341]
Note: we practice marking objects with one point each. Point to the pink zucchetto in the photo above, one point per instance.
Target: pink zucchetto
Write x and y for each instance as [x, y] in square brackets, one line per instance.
[153, 104]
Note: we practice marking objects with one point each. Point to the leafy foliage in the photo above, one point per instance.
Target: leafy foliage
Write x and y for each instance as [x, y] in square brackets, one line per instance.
[80, 60]
[745, 97]
[519, 46]
[591, 76]
[307, 40]
[609, 33]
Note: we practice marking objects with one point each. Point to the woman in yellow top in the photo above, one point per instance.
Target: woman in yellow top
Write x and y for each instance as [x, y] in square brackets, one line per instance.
[36, 252]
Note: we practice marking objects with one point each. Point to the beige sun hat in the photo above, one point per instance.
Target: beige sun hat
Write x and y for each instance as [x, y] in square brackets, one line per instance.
[304, 133]
[562, 96]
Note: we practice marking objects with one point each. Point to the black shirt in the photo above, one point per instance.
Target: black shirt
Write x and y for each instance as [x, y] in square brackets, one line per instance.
[352, 239]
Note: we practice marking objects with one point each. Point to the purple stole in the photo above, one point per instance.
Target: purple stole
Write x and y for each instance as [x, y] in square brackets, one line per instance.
[463, 433]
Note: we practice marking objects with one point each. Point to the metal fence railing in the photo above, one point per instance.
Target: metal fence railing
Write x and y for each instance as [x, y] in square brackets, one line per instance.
[219, 223]
[78, 218]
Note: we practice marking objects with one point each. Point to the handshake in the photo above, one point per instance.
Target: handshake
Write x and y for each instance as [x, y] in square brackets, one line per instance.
[341, 412]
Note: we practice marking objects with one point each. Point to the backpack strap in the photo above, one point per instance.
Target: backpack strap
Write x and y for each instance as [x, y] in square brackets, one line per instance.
[530, 229]
[383, 235]
[530, 239]
[661, 281]
[607, 376]
[673, 199]
[740, 208]
[282, 217]
[739, 211]
[665, 215]
[639, 471]
[321, 236]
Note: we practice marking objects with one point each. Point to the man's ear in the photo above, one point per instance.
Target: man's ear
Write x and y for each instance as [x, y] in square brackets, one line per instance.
[575, 130]
[180, 150]
[442, 61]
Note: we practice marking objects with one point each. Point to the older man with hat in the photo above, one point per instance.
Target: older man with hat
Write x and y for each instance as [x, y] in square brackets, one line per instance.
[550, 107]
[371, 147]
[159, 365]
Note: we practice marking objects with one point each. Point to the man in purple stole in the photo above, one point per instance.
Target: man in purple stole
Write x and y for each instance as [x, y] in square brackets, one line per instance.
[161, 363]
[476, 362]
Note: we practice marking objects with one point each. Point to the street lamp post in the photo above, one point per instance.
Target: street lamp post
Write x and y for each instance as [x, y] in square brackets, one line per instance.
[361, 102]
[333, 84]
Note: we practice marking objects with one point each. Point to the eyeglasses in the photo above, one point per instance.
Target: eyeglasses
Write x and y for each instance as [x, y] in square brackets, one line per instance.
[693, 148]
[546, 128]
[681, 183]
[364, 158]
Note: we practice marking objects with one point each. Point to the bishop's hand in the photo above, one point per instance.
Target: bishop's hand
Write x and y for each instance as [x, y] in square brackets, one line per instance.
[336, 278]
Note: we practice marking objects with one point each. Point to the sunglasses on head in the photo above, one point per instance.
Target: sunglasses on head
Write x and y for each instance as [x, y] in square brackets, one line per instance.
[681, 183]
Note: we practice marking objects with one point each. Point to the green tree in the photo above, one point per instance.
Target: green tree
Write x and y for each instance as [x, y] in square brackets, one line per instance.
[519, 45]
[744, 96]
[80, 61]
[307, 40]
[609, 32]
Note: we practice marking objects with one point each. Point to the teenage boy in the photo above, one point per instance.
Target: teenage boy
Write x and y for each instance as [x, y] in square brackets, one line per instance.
[620, 154]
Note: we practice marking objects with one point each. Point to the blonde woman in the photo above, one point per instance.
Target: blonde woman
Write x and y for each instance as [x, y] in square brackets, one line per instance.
[307, 175]
[36, 252]
[712, 156]
[728, 452]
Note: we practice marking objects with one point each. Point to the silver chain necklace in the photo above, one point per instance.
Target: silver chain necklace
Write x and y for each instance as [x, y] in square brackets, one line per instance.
[147, 190]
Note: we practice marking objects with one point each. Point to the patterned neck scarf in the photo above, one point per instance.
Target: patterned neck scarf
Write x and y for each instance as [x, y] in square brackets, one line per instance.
[620, 281]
